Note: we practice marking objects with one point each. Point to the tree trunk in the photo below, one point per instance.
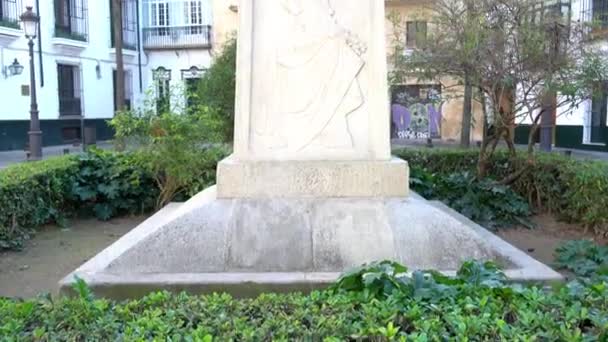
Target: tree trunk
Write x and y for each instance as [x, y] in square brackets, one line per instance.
[547, 122]
[467, 108]
[119, 89]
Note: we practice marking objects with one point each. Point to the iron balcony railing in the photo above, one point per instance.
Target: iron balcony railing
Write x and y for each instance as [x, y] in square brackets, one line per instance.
[176, 37]
[129, 24]
[10, 10]
[71, 19]
[69, 106]
[595, 12]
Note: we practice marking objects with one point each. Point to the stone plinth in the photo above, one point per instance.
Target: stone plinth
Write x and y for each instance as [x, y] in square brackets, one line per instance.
[249, 246]
[311, 189]
[305, 179]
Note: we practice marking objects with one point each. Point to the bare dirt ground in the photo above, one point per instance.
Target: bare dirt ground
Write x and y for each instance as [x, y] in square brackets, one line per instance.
[55, 252]
[540, 243]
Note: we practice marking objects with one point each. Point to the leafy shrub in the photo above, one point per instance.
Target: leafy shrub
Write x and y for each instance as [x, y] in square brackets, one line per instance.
[33, 194]
[585, 198]
[100, 183]
[383, 279]
[485, 202]
[216, 89]
[575, 190]
[172, 144]
[462, 310]
[109, 184]
[583, 258]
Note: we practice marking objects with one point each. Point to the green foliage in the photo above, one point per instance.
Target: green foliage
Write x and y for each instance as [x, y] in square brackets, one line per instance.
[33, 194]
[483, 201]
[576, 190]
[428, 307]
[110, 184]
[99, 183]
[586, 194]
[216, 89]
[173, 144]
[583, 258]
[383, 279]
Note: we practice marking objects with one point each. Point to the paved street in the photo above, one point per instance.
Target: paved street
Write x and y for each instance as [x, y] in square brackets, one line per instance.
[11, 157]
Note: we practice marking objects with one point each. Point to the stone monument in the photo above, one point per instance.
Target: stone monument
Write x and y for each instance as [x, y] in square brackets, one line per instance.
[312, 103]
[311, 188]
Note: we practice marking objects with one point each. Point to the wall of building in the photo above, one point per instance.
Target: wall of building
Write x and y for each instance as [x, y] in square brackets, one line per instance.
[451, 110]
[225, 19]
[96, 86]
[95, 60]
[573, 121]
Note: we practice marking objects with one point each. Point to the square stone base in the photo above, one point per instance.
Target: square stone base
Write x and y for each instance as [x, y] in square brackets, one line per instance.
[319, 179]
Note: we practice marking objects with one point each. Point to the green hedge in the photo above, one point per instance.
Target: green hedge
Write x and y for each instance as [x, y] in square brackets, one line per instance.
[107, 184]
[100, 183]
[575, 190]
[475, 306]
[32, 194]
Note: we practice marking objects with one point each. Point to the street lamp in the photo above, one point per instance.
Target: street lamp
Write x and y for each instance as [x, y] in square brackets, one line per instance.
[30, 27]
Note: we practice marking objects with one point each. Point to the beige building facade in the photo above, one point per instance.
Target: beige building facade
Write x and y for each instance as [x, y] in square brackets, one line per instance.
[419, 109]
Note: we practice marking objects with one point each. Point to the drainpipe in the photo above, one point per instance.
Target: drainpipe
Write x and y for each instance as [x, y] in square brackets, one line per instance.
[40, 44]
[141, 82]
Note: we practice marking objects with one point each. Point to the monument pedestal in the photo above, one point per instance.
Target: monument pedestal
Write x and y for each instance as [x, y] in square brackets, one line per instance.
[311, 190]
[318, 179]
[248, 246]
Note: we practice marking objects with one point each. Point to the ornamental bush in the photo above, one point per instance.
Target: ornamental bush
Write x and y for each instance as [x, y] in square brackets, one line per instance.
[98, 184]
[375, 303]
[574, 190]
[33, 194]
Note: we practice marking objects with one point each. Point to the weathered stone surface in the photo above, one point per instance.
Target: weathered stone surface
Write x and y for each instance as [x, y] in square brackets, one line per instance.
[319, 179]
[270, 236]
[247, 246]
[311, 81]
[350, 232]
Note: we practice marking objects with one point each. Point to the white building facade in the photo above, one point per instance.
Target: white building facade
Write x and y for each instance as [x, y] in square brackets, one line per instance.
[166, 43]
[586, 126]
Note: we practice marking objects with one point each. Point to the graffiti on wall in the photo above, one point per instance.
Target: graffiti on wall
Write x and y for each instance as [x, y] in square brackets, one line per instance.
[416, 112]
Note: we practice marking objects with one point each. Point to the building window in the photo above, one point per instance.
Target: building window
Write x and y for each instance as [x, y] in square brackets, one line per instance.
[416, 33]
[10, 10]
[128, 89]
[162, 81]
[191, 78]
[71, 19]
[129, 24]
[598, 118]
[170, 24]
[68, 85]
[194, 16]
[600, 13]
[159, 18]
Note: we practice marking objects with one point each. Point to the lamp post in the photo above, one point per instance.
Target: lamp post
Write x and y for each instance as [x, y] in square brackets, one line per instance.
[30, 26]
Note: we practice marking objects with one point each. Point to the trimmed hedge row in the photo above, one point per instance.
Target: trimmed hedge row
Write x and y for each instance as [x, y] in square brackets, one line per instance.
[106, 184]
[100, 183]
[424, 307]
[575, 190]
[32, 194]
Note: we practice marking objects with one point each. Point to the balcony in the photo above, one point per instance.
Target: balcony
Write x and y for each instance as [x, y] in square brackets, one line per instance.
[10, 10]
[71, 27]
[595, 13]
[129, 25]
[69, 107]
[177, 37]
